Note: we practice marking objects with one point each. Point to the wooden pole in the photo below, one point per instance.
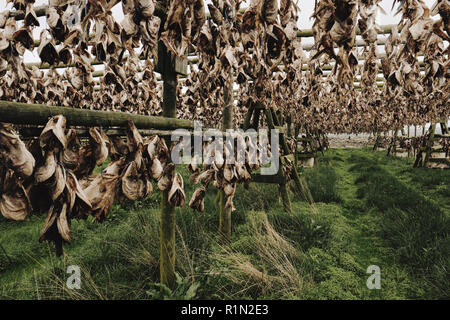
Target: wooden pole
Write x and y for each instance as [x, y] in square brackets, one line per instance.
[272, 121]
[444, 128]
[377, 141]
[296, 133]
[245, 127]
[285, 197]
[392, 148]
[300, 184]
[256, 116]
[248, 117]
[227, 123]
[289, 126]
[36, 131]
[38, 114]
[168, 218]
[430, 143]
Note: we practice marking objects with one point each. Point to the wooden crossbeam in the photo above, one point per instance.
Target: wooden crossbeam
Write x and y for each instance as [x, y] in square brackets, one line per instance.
[274, 179]
[38, 114]
[308, 155]
[28, 132]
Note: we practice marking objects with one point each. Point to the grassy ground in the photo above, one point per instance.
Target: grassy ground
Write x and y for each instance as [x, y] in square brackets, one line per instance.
[369, 210]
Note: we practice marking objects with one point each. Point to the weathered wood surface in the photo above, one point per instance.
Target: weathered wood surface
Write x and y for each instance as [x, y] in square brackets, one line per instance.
[227, 123]
[276, 179]
[35, 131]
[168, 216]
[38, 114]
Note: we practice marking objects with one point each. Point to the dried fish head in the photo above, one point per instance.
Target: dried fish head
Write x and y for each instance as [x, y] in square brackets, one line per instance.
[53, 135]
[176, 196]
[14, 151]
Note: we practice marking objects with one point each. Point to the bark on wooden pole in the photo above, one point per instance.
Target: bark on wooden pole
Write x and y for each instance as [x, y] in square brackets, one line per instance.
[248, 117]
[272, 121]
[296, 133]
[227, 123]
[430, 143]
[38, 114]
[392, 147]
[168, 221]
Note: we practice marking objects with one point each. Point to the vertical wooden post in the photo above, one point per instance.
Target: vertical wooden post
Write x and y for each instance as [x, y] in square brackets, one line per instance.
[289, 126]
[444, 128]
[296, 133]
[272, 121]
[409, 150]
[392, 148]
[285, 197]
[245, 127]
[256, 116]
[430, 144]
[248, 117]
[299, 183]
[167, 228]
[377, 141]
[227, 123]
[317, 134]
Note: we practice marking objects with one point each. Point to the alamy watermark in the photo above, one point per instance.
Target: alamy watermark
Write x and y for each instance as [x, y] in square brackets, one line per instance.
[230, 147]
[374, 281]
[74, 280]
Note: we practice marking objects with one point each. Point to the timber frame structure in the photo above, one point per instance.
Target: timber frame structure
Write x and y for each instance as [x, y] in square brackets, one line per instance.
[172, 69]
[431, 155]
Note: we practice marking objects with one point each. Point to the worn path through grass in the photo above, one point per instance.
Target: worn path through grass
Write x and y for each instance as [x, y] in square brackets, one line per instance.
[389, 204]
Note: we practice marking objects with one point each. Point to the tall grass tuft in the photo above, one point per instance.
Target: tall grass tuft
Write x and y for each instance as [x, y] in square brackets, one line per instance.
[322, 182]
[272, 270]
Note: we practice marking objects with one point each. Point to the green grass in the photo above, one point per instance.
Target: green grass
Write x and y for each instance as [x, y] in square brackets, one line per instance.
[322, 182]
[369, 210]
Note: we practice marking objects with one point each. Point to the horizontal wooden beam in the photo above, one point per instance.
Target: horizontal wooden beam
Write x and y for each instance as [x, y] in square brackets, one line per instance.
[442, 136]
[27, 131]
[440, 160]
[274, 179]
[308, 155]
[38, 114]
[40, 11]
